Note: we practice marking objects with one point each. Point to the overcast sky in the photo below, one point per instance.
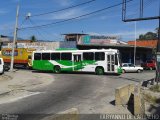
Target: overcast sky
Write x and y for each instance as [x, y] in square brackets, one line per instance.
[108, 22]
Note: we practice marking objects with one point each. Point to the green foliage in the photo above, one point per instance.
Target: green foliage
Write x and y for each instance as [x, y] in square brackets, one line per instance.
[148, 36]
[33, 38]
[150, 99]
[154, 51]
[141, 37]
[157, 30]
[155, 88]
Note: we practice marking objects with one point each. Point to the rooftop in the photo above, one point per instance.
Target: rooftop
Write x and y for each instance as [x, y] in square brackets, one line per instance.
[115, 45]
[74, 34]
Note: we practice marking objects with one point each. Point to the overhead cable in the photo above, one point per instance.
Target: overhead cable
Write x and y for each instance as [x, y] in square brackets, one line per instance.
[84, 15]
[73, 6]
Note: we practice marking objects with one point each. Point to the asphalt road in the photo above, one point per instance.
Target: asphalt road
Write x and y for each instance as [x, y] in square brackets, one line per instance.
[87, 92]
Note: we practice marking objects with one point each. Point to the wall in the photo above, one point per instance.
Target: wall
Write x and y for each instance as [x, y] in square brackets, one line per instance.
[38, 45]
[67, 44]
[98, 40]
[45, 45]
[145, 43]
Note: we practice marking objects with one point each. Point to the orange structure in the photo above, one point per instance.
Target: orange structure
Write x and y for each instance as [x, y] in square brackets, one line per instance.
[144, 43]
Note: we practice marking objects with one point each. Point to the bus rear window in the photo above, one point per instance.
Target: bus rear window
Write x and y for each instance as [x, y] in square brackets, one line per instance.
[37, 56]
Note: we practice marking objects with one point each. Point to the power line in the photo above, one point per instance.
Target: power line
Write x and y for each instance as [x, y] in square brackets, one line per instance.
[22, 23]
[97, 11]
[36, 29]
[73, 6]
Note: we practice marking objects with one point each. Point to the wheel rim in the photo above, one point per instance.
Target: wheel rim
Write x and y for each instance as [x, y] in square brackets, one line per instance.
[99, 71]
[123, 71]
[57, 70]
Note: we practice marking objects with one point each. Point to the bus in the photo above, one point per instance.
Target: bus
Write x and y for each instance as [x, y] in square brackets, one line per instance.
[99, 61]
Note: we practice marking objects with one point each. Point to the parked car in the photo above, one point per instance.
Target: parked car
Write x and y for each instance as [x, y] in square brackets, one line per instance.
[129, 67]
[1, 66]
[149, 64]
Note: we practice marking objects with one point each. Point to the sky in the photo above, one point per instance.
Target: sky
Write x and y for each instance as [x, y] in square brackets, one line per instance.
[107, 22]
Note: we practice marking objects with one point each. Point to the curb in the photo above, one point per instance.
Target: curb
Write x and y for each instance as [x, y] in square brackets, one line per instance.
[2, 93]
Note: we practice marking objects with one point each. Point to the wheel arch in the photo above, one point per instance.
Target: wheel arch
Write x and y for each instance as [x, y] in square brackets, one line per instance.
[99, 67]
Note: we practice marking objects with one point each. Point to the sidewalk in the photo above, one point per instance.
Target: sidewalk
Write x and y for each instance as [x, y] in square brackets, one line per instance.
[19, 84]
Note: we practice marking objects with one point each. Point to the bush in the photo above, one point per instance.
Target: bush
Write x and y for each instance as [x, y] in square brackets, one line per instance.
[150, 99]
[155, 88]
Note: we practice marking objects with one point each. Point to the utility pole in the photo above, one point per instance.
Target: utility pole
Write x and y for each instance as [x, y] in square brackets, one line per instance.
[135, 43]
[15, 38]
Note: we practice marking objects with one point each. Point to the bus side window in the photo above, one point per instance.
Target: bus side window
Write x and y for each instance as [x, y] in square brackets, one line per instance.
[37, 56]
[116, 59]
[45, 56]
[55, 56]
[66, 56]
[88, 56]
[99, 56]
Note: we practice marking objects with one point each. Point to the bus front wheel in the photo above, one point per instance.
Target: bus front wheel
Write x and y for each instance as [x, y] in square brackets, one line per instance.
[57, 69]
[99, 71]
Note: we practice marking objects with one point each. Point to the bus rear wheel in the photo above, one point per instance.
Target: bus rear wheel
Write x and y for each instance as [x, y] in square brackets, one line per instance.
[99, 71]
[57, 69]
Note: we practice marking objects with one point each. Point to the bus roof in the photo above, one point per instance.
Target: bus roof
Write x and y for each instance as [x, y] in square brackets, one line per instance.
[75, 51]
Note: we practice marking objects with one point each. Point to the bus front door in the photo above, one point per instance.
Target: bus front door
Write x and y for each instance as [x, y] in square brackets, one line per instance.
[110, 63]
[77, 62]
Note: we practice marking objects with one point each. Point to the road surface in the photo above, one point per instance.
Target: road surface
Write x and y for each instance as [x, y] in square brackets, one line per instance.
[87, 92]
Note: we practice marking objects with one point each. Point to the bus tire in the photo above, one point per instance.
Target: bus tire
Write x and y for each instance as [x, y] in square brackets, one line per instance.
[99, 70]
[57, 69]
[27, 67]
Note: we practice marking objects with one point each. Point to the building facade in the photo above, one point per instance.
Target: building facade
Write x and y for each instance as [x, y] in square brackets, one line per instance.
[144, 49]
[144, 43]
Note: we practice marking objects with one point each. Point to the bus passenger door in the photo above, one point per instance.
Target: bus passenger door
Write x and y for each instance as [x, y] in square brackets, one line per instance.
[110, 63]
[77, 62]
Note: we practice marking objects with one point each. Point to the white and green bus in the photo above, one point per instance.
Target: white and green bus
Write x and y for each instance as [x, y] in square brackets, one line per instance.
[99, 61]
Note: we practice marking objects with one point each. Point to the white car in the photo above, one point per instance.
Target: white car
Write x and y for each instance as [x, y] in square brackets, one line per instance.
[129, 67]
[1, 66]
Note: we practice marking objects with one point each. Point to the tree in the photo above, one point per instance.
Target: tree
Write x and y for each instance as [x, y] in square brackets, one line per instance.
[33, 38]
[157, 30]
[141, 37]
[148, 36]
